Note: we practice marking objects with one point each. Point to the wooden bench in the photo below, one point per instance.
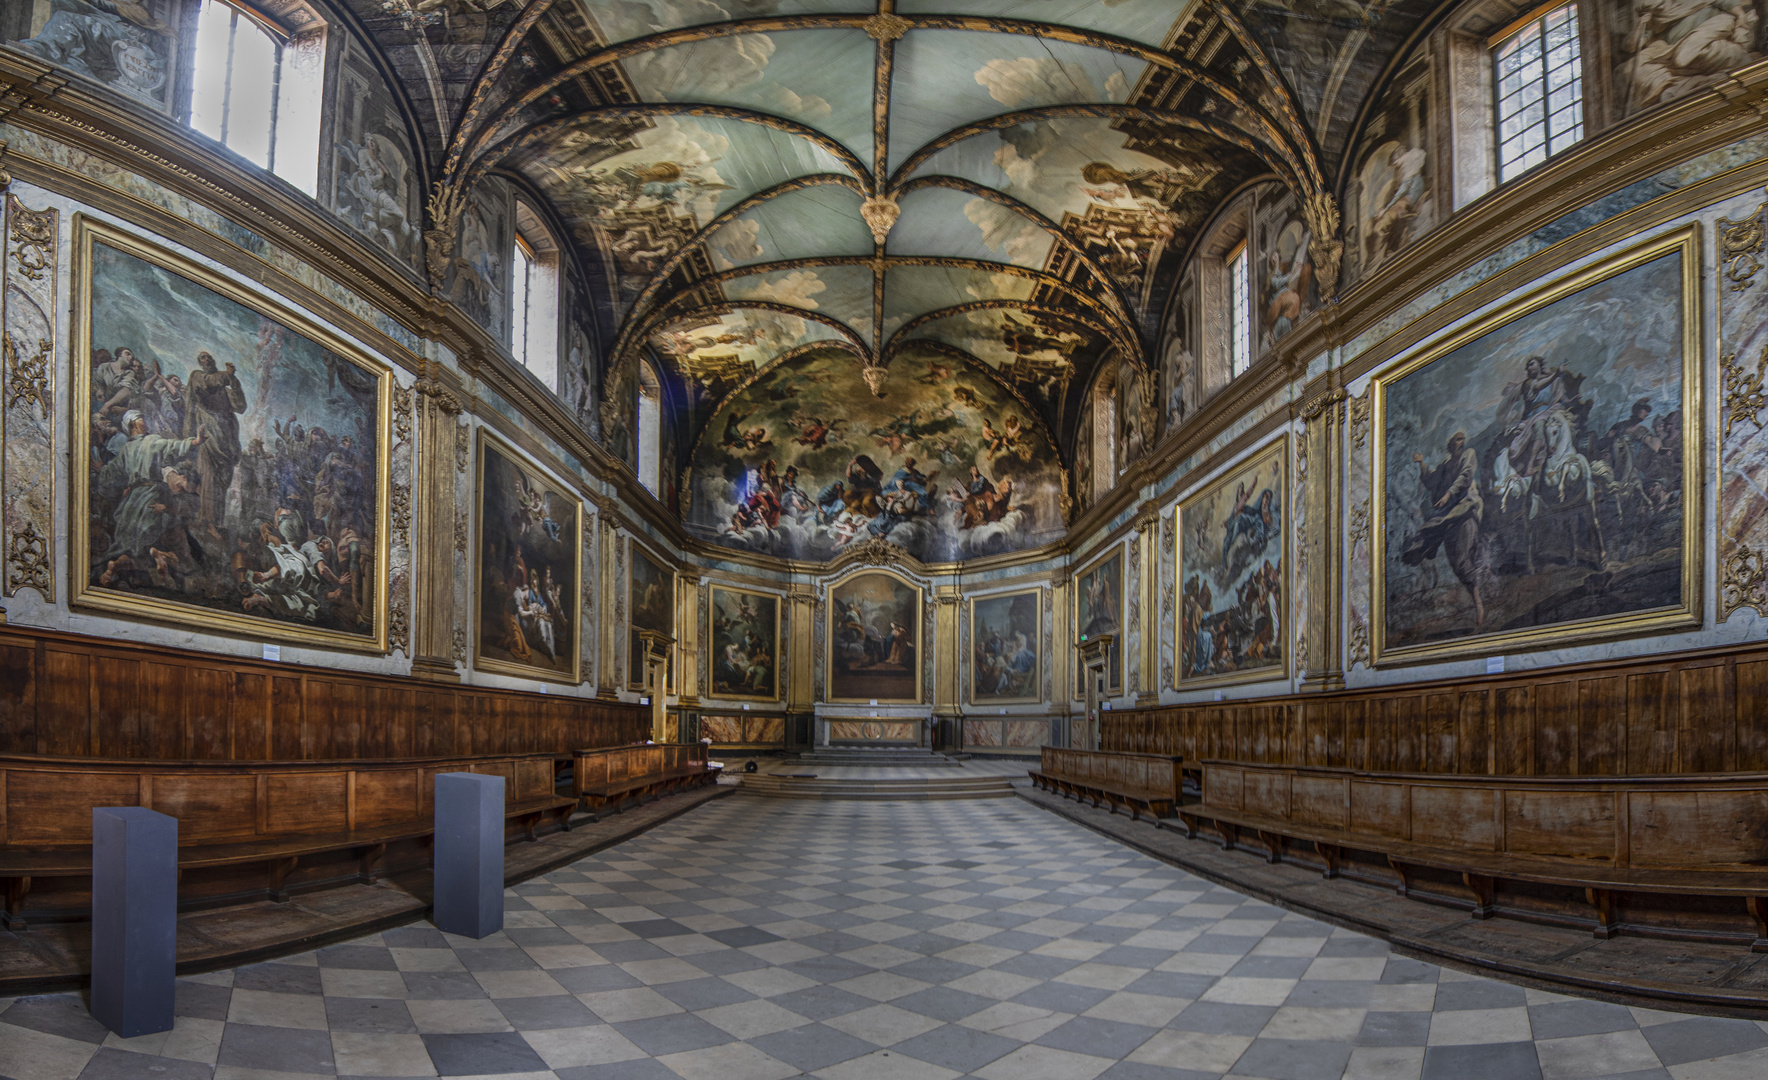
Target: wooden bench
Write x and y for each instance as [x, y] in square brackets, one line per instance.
[246, 828]
[1680, 855]
[1137, 782]
[612, 775]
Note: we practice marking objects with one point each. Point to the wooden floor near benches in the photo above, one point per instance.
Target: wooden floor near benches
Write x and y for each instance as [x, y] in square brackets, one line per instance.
[1725, 980]
[53, 956]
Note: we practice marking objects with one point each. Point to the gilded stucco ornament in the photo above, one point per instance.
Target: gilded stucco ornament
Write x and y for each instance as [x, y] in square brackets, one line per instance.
[886, 27]
[33, 240]
[27, 398]
[1740, 248]
[1321, 212]
[1744, 582]
[444, 207]
[880, 214]
[1744, 398]
[28, 560]
[1360, 420]
[874, 376]
[27, 377]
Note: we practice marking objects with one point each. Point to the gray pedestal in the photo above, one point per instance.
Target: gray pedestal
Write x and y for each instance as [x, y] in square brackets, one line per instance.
[134, 919]
[469, 854]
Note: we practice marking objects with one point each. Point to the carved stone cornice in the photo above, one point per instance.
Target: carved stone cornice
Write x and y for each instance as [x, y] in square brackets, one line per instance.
[875, 551]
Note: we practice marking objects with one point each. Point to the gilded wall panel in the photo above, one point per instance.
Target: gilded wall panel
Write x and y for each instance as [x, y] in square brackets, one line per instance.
[28, 400]
[1741, 284]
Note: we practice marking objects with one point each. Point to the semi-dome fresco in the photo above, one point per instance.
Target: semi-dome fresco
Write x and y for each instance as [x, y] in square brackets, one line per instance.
[947, 465]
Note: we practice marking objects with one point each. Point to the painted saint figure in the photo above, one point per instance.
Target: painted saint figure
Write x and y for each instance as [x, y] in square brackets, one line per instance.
[1452, 520]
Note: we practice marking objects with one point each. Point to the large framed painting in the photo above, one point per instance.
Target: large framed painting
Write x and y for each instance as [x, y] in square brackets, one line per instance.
[528, 617]
[743, 629]
[1098, 609]
[1537, 474]
[1005, 667]
[235, 474]
[875, 639]
[1233, 574]
[650, 605]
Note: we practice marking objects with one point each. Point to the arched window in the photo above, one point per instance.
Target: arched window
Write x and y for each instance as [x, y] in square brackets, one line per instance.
[534, 298]
[258, 91]
[1104, 417]
[650, 430]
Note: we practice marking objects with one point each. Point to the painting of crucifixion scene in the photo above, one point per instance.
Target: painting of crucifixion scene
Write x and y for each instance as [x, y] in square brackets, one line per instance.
[948, 465]
[1231, 574]
[528, 563]
[1535, 477]
[235, 469]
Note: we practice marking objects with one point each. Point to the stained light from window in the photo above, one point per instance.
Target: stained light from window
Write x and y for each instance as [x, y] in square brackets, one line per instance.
[256, 95]
[1540, 86]
[521, 299]
[1239, 311]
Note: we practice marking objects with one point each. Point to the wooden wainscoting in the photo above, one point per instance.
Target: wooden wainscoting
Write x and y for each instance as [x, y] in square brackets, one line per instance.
[1703, 711]
[1669, 856]
[69, 695]
[245, 829]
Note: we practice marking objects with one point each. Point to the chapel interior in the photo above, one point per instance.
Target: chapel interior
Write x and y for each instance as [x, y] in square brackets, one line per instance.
[1122, 539]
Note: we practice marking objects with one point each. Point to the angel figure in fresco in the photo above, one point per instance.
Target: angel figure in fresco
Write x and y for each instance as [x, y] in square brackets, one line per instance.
[936, 374]
[1163, 187]
[814, 431]
[660, 183]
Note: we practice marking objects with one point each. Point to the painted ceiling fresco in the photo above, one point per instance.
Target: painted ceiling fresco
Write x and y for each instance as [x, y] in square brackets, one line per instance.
[1004, 188]
[950, 464]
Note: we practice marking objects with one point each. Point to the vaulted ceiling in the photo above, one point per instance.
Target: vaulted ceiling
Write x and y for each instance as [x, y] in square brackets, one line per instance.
[1010, 181]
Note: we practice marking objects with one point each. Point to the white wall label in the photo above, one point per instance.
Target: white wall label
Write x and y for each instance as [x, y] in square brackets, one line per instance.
[1494, 665]
[273, 652]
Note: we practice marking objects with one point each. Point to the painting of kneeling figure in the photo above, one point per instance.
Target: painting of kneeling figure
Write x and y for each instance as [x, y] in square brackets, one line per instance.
[874, 639]
[235, 469]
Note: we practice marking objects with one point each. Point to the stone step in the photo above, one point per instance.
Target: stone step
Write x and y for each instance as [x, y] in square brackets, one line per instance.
[926, 787]
[870, 756]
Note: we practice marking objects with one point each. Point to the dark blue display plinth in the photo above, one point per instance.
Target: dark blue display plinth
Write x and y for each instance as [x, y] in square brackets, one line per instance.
[134, 919]
[469, 854]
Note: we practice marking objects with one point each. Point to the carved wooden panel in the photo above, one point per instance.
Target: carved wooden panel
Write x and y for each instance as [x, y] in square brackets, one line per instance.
[72, 696]
[1696, 712]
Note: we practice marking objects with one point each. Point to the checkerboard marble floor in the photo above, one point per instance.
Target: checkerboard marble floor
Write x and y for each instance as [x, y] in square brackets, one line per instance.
[758, 940]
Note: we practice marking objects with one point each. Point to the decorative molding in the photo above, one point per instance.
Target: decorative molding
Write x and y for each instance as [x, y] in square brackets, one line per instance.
[1740, 248]
[28, 316]
[1744, 398]
[886, 27]
[1743, 582]
[27, 377]
[1360, 411]
[29, 561]
[463, 445]
[32, 239]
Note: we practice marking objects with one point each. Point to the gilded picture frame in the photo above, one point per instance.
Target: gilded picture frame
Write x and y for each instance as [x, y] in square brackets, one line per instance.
[1008, 673]
[714, 657]
[658, 614]
[1245, 574]
[569, 539]
[1110, 563]
[363, 376]
[1685, 610]
[846, 591]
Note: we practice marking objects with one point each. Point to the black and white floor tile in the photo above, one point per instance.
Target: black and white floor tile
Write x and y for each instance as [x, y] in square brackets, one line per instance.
[757, 939]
